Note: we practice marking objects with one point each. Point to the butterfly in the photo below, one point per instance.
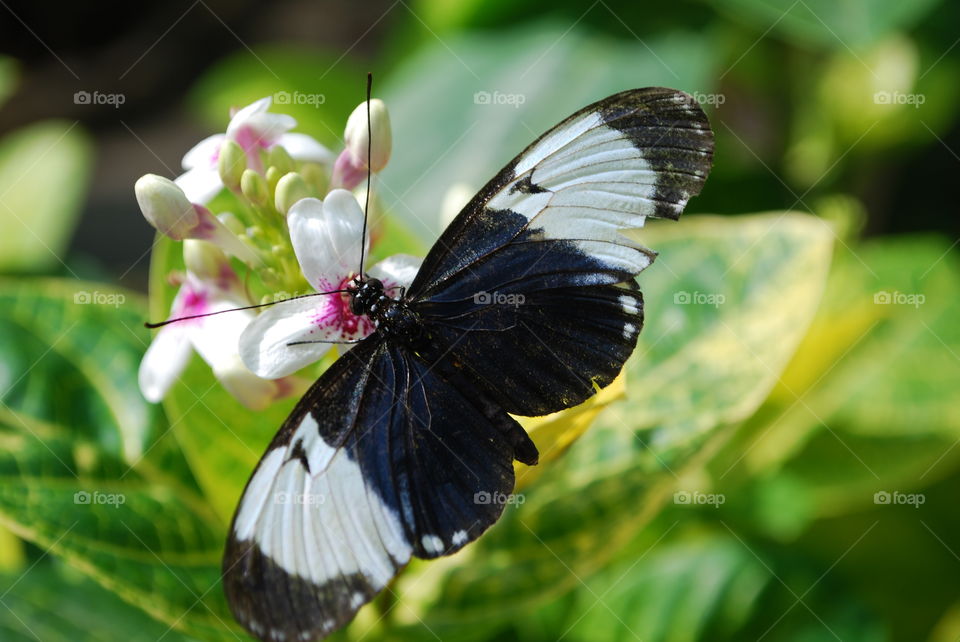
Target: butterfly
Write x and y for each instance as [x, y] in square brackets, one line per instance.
[525, 305]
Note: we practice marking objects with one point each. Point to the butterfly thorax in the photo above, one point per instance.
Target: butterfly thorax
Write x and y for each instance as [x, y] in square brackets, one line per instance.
[393, 317]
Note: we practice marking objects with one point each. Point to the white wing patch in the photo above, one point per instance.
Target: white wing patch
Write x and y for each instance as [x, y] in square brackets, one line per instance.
[323, 523]
[555, 140]
[589, 183]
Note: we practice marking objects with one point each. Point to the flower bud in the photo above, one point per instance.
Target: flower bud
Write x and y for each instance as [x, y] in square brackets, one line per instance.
[205, 260]
[317, 177]
[273, 177]
[165, 206]
[355, 135]
[290, 189]
[278, 157]
[254, 188]
[231, 164]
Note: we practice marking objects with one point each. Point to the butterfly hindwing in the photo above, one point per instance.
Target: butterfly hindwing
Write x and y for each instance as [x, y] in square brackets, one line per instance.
[548, 350]
[532, 272]
[385, 457]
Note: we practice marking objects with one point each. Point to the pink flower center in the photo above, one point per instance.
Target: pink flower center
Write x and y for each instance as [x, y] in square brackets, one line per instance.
[192, 302]
[250, 140]
[334, 313]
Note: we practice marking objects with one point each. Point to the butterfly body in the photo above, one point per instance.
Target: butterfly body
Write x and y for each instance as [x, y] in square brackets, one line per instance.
[392, 317]
[526, 305]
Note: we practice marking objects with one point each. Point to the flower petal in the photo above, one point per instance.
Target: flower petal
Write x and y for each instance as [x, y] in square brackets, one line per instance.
[217, 338]
[205, 153]
[254, 126]
[326, 237]
[211, 229]
[399, 269]
[200, 184]
[306, 148]
[252, 391]
[264, 344]
[163, 362]
[242, 115]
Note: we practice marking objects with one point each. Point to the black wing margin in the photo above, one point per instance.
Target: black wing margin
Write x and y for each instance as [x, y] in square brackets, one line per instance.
[385, 457]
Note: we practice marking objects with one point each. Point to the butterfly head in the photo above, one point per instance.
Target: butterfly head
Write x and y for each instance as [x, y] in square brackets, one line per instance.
[364, 294]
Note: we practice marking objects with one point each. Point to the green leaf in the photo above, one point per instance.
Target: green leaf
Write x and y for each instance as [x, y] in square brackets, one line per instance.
[89, 472]
[727, 302]
[680, 589]
[44, 169]
[155, 548]
[50, 603]
[867, 404]
[60, 366]
[443, 137]
[848, 24]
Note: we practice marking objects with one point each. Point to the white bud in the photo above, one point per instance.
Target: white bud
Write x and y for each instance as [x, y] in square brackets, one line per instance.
[290, 189]
[355, 135]
[165, 206]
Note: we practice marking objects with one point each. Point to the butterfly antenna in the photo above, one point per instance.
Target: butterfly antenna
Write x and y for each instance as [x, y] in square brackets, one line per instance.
[366, 203]
[246, 307]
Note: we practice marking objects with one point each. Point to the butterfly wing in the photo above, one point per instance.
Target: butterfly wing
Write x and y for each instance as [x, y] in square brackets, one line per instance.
[532, 282]
[386, 456]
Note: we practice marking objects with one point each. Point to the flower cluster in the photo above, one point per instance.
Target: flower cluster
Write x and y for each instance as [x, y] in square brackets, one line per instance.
[294, 228]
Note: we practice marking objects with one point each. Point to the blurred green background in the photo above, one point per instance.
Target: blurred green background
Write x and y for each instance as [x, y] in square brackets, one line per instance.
[783, 462]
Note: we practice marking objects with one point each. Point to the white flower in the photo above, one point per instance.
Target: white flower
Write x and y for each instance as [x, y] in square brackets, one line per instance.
[326, 237]
[211, 287]
[253, 128]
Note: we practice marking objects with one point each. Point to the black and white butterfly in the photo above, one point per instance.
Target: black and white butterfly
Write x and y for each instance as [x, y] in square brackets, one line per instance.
[406, 434]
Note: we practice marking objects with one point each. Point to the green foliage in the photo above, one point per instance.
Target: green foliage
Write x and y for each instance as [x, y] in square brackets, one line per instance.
[830, 24]
[43, 176]
[90, 472]
[53, 603]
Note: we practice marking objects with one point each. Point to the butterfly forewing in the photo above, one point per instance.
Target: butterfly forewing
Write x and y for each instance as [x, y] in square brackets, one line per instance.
[525, 275]
[606, 168]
